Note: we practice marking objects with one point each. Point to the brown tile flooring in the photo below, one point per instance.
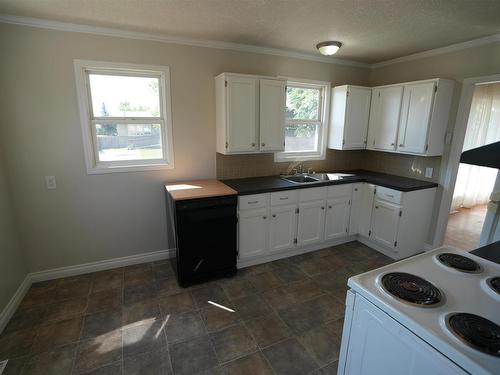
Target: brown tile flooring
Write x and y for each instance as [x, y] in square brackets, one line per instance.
[136, 320]
[464, 227]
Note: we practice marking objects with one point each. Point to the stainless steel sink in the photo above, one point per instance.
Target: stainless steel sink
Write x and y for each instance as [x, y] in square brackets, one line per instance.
[300, 179]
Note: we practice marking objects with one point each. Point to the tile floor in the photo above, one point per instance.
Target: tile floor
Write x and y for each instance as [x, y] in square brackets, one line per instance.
[136, 320]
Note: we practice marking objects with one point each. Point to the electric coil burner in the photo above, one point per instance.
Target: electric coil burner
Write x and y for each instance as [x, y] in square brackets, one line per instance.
[494, 283]
[480, 333]
[411, 289]
[459, 262]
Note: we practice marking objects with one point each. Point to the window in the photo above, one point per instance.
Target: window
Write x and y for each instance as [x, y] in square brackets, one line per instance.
[305, 122]
[125, 116]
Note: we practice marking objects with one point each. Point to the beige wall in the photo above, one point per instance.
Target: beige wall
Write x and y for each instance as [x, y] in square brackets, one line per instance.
[95, 217]
[12, 270]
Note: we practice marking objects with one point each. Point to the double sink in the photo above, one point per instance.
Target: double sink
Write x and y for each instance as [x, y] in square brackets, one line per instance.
[311, 178]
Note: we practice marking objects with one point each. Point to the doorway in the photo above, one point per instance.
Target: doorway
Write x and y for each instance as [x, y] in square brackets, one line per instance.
[474, 184]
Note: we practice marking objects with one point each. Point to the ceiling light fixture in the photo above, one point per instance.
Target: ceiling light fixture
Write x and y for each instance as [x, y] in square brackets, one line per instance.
[328, 48]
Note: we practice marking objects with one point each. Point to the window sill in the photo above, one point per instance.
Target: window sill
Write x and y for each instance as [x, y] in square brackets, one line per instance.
[280, 158]
[130, 168]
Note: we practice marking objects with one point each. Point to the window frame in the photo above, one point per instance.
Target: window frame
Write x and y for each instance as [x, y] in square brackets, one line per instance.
[325, 89]
[88, 121]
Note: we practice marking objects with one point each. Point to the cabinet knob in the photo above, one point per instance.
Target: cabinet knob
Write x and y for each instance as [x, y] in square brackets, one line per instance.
[274, 215]
[355, 189]
[401, 145]
[253, 144]
[263, 144]
[376, 206]
[392, 144]
[264, 217]
[329, 206]
[322, 207]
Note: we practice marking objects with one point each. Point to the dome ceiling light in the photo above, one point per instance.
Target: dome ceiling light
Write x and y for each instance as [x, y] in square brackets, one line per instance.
[328, 48]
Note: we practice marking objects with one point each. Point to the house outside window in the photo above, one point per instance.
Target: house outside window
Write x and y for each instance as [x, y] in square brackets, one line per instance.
[306, 121]
[125, 116]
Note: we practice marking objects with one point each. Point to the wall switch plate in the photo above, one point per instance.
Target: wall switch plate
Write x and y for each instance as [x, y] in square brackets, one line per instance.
[50, 182]
[428, 172]
[3, 365]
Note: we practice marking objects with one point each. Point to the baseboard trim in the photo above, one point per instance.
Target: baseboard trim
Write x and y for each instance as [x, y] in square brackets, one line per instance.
[100, 265]
[34, 277]
[14, 302]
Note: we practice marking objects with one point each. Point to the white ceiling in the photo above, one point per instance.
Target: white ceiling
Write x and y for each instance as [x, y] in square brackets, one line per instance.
[371, 30]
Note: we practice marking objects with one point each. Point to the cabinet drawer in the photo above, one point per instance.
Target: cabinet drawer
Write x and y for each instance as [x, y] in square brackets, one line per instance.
[338, 191]
[389, 195]
[246, 202]
[284, 197]
[312, 194]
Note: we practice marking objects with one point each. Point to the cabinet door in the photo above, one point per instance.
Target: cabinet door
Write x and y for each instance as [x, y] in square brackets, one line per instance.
[242, 112]
[385, 222]
[337, 217]
[357, 114]
[283, 228]
[380, 345]
[356, 208]
[415, 117]
[253, 231]
[311, 222]
[384, 117]
[365, 216]
[272, 115]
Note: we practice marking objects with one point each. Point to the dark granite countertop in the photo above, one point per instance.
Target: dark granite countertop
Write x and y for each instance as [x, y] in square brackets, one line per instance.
[490, 252]
[257, 185]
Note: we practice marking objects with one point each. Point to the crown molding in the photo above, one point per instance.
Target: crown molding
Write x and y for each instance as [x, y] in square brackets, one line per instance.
[162, 38]
[440, 51]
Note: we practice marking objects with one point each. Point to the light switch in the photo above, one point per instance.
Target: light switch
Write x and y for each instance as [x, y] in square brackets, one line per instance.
[50, 182]
[428, 172]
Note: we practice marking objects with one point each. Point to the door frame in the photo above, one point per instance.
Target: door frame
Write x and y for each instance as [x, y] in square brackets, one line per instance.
[451, 161]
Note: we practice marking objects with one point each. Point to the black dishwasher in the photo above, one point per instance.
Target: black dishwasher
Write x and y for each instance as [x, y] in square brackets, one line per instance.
[205, 233]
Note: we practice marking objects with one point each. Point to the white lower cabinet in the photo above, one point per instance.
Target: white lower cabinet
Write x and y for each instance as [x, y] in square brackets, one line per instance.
[293, 221]
[311, 222]
[283, 228]
[337, 217]
[253, 232]
[385, 223]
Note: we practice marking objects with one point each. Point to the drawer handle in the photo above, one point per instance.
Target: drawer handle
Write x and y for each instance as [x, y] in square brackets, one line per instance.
[283, 198]
[390, 195]
[264, 217]
[253, 202]
[274, 215]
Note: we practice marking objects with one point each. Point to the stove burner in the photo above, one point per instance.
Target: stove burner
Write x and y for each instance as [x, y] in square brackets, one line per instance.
[459, 262]
[494, 283]
[480, 333]
[411, 289]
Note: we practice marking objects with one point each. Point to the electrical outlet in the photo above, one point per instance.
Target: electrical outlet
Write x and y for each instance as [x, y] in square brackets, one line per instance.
[428, 172]
[3, 365]
[50, 182]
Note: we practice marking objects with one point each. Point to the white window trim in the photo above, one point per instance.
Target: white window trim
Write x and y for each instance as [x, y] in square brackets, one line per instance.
[89, 141]
[325, 111]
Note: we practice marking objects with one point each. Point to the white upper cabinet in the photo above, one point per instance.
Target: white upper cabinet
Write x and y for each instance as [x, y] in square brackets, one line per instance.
[349, 117]
[410, 118]
[250, 114]
[272, 115]
[384, 118]
[415, 116]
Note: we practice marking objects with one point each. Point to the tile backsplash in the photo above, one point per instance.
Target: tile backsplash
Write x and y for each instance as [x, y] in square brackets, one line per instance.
[252, 165]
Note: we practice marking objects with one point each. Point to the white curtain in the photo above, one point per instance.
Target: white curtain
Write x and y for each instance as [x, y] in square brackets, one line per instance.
[475, 184]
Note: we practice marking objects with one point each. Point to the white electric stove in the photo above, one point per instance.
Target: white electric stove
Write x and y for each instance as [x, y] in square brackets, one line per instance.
[434, 313]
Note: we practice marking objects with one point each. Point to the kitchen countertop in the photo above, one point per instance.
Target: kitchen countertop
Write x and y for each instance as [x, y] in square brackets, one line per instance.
[490, 252]
[257, 185]
[198, 189]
